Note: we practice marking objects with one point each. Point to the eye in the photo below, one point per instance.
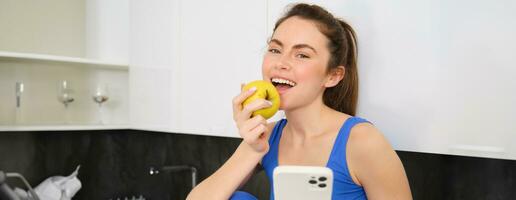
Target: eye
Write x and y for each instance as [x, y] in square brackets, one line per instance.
[272, 50]
[301, 55]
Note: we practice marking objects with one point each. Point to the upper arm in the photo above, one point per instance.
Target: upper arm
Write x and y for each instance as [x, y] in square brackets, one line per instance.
[376, 165]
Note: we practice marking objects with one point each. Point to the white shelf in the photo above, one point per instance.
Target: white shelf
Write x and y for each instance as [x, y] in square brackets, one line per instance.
[63, 127]
[4, 55]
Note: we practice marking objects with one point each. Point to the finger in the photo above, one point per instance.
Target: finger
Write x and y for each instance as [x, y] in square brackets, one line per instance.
[257, 132]
[253, 123]
[237, 101]
[254, 135]
[243, 95]
[257, 104]
[263, 136]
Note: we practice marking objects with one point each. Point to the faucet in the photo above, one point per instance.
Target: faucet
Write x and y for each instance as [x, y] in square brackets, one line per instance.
[176, 168]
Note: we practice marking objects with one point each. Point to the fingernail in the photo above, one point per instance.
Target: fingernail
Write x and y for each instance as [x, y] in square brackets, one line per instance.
[269, 102]
[252, 89]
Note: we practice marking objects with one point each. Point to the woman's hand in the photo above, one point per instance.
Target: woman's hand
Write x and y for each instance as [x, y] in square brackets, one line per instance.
[252, 130]
[237, 170]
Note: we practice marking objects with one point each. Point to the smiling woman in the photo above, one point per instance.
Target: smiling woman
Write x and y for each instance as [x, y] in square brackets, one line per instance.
[311, 60]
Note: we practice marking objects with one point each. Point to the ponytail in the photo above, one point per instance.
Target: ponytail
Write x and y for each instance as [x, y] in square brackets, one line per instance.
[344, 96]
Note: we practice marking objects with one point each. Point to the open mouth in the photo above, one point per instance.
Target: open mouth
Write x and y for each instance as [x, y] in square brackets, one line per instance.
[282, 84]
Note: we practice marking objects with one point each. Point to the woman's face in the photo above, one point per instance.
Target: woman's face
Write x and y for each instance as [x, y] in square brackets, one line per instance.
[298, 53]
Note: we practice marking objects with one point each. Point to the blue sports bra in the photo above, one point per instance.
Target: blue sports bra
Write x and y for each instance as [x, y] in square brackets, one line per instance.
[343, 185]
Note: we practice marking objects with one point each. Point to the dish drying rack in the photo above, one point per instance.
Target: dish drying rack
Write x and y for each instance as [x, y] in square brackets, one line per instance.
[6, 191]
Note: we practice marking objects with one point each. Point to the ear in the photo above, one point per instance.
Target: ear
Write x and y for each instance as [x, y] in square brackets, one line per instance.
[335, 76]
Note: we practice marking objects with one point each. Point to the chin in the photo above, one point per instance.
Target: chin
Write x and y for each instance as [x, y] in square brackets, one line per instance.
[285, 106]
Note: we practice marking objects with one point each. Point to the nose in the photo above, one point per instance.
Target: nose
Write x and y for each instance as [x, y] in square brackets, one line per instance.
[283, 63]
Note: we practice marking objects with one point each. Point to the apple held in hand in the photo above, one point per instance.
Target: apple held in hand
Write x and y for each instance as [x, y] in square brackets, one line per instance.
[264, 90]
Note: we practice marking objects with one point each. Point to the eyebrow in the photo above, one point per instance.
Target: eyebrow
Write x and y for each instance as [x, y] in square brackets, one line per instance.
[297, 46]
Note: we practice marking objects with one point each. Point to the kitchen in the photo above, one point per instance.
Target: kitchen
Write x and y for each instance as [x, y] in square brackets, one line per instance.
[165, 83]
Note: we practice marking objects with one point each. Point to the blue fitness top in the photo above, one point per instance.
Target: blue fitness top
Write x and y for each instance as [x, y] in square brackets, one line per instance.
[343, 185]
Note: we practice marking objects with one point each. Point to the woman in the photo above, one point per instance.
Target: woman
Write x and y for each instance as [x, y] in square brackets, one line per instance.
[315, 54]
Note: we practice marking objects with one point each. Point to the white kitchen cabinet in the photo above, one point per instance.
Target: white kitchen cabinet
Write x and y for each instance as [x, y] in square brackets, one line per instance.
[46, 42]
[153, 57]
[107, 26]
[188, 59]
[222, 43]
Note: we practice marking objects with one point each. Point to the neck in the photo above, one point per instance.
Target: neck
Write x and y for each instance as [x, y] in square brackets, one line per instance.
[309, 120]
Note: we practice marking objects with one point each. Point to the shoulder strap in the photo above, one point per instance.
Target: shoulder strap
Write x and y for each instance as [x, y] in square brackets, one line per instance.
[339, 147]
[277, 131]
[270, 159]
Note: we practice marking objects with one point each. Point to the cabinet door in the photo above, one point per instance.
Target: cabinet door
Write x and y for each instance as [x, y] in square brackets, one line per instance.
[222, 45]
[153, 58]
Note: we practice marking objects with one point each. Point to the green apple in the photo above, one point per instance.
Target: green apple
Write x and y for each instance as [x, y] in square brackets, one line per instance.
[264, 90]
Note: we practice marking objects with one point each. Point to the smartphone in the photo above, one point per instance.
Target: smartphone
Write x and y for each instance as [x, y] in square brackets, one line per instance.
[302, 183]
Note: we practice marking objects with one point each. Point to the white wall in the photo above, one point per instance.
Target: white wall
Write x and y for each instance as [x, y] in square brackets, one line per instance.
[437, 76]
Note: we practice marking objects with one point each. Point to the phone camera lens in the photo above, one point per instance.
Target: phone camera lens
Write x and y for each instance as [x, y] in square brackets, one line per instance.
[322, 185]
[322, 178]
[312, 181]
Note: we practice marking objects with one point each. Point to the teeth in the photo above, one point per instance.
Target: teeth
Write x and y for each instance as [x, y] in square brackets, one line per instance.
[284, 81]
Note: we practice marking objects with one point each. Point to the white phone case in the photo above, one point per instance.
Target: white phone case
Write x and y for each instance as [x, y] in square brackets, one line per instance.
[302, 183]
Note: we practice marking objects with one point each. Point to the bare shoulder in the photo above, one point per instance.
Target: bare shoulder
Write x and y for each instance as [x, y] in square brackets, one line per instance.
[374, 164]
[366, 147]
[365, 137]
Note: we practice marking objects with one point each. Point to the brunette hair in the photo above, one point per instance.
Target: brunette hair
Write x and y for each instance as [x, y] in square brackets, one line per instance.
[343, 49]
